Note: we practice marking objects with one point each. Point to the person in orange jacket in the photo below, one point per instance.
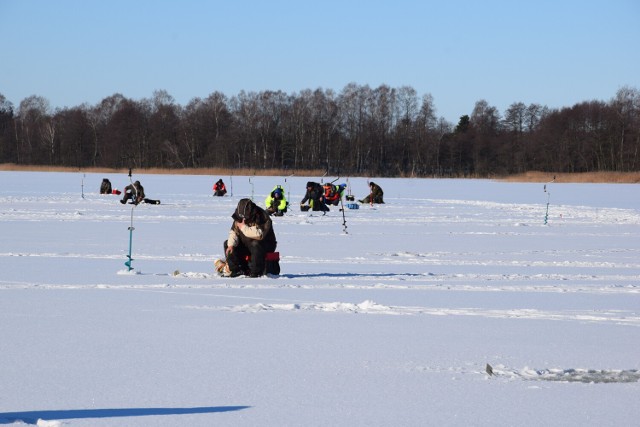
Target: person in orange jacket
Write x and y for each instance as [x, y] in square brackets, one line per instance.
[219, 188]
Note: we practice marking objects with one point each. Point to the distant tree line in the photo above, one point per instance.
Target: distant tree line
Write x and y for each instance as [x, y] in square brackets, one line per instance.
[360, 131]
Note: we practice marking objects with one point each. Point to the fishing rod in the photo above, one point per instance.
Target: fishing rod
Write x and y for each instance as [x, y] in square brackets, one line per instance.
[546, 215]
[344, 218]
[288, 186]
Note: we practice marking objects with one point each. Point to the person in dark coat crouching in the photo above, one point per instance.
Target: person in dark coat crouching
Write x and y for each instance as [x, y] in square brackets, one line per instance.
[135, 193]
[315, 197]
[251, 235]
[105, 187]
[375, 196]
[219, 189]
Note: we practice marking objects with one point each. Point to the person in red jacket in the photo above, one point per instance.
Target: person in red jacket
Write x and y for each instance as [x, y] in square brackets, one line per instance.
[219, 189]
[333, 193]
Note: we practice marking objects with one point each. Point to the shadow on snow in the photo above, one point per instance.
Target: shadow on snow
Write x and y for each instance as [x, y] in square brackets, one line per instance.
[343, 275]
[32, 417]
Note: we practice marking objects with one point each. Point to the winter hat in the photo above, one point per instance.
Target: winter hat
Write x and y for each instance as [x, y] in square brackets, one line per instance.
[244, 210]
[309, 184]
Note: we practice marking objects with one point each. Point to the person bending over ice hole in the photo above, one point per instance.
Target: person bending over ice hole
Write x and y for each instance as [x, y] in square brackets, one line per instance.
[250, 239]
[275, 202]
[375, 196]
[105, 187]
[135, 193]
[219, 189]
[333, 193]
[315, 196]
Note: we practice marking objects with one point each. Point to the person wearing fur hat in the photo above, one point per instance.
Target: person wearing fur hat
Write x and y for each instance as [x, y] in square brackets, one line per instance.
[251, 236]
[315, 196]
[105, 187]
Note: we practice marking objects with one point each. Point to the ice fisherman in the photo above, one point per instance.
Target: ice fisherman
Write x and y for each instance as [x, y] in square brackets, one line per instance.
[333, 193]
[135, 193]
[251, 236]
[315, 196]
[219, 189]
[375, 194]
[105, 187]
[275, 202]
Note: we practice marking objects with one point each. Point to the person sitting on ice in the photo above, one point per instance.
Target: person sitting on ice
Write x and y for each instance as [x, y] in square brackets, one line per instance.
[219, 188]
[275, 202]
[375, 195]
[105, 187]
[250, 239]
[135, 193]
[333, 193]
[315, 196]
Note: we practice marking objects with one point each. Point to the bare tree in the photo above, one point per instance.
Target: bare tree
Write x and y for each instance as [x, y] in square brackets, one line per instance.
[32, 115]
[408, 153]
[626, 105]
[485, 118]
[99, 119]
[382, 131]
[353, 104]
[7, 148]
[514, 118]
[245, 112]
[48, 131]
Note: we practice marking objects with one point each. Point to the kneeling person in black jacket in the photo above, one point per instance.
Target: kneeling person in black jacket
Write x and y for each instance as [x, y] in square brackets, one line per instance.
[315, 197]
[251, 235]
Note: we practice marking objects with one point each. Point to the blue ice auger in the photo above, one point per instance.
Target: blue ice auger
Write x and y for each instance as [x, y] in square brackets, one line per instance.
[129, 259]
[128, 263]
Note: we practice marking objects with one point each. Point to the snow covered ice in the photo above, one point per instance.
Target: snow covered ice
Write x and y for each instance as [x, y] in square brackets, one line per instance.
[390, 324]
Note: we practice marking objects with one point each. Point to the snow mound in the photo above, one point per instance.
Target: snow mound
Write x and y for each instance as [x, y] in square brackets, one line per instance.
[573, 375]
[365, 307]
[44, 423]
[128, 273]
[193, 275]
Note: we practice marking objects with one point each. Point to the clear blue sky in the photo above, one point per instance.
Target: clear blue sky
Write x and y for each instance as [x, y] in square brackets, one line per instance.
[551, 52]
